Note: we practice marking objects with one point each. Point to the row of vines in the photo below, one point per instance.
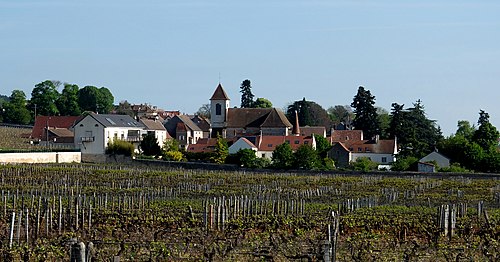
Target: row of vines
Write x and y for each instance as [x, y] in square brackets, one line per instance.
[155, 214]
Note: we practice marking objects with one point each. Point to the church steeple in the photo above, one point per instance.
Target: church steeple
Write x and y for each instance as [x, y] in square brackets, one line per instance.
[219, 104]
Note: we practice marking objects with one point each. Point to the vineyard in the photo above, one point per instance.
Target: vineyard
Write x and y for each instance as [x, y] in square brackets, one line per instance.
[50, 212]
[15, 137]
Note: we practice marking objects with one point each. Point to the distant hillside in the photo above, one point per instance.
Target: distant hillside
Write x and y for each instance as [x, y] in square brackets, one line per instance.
[14, 138]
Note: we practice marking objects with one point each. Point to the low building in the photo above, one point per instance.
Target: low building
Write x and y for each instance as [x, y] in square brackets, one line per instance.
[93, 132]
[383, 152]
[264, 146]
[54, 131]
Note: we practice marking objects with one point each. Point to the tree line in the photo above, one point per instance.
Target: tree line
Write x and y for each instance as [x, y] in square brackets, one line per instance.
[48, 101]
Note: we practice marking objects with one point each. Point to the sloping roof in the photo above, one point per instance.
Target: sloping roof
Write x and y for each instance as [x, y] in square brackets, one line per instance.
[202, 123]
[269, 143]
[112, 120]
[189, 123]
[41, 123]
[370, 146]
[310, 130]
[62, 132]
[152, 124]
[346, 135]
[256, 117]
[219, 94]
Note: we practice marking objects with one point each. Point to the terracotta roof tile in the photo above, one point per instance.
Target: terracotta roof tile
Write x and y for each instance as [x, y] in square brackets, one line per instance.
[41, 123]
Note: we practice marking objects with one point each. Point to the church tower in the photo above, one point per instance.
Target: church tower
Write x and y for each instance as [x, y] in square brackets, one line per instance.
[219, 104]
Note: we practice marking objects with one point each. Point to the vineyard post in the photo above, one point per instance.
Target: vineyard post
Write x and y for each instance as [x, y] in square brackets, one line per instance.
[90, 252]
[12, 228]
[19, 220]
[27, 226]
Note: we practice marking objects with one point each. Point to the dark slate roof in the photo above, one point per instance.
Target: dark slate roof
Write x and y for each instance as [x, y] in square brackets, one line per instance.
[256, 117]
[111, 120]
[219, 94]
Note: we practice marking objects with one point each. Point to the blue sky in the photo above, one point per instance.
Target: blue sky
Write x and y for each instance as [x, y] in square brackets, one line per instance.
[170, 53]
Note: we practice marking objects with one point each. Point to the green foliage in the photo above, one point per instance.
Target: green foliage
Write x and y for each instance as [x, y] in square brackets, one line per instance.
[262, 103]
[364, 164]
[366, 117]
[340, 114]
[15, 111]
[309, 113]
[99, 100]
[124, 108]
[306, 157]
[149, 145]
[417, 135]
[246, 94]
[474, 149]
[282, 156]
[67, 103]
[384, 120]
[105, 101]
[171, 145]
[173, 156]
[120, 147]
[246, 157]
[322, 145]
[44, 96]
[204, 111]
[408, 163]
[221, 151]
[454, 168]
[486, 135]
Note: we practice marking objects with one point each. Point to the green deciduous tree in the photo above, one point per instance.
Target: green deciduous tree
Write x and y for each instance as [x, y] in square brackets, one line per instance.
[204, 111]
[340, 114]
[67, 104]
[14, 111]
[221, 151]
[306, 157]
[95, 99]
[366, 117]
[262, 103]
[364, 164]
[246, 94]
[44, 97]
[486, 134]
[282, 156]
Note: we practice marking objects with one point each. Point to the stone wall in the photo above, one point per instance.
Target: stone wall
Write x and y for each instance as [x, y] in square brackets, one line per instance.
[41, 157]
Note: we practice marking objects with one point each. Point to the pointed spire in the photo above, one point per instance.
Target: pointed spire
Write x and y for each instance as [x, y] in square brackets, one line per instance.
[219, 94]
[296, 128]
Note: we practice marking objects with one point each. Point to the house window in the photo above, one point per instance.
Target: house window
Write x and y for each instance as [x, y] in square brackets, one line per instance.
[263, 155]
[287, 141]
[297, 142]
[218, 109]
[360, 149]
[306, 142]
[269, 145]
[384, 159]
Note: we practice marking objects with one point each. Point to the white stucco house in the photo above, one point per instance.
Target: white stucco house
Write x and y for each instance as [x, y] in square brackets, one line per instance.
[264, 146]
[155, 127]
[94, 131]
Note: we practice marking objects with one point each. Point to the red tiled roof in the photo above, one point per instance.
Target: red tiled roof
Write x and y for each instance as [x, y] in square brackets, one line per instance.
[369, 146]
[269, 143]
[41, 122]
[346, 135]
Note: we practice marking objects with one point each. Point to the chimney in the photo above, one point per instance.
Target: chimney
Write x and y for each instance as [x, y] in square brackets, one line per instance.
[296, 128]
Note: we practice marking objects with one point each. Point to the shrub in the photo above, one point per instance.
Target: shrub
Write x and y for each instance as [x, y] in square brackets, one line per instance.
[364, 164]
[120, 147]
[173, 156]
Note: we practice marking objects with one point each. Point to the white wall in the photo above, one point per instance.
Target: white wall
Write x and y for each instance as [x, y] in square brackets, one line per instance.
[97, 130]
[238, 145]
[377, 158]
[41, 157]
